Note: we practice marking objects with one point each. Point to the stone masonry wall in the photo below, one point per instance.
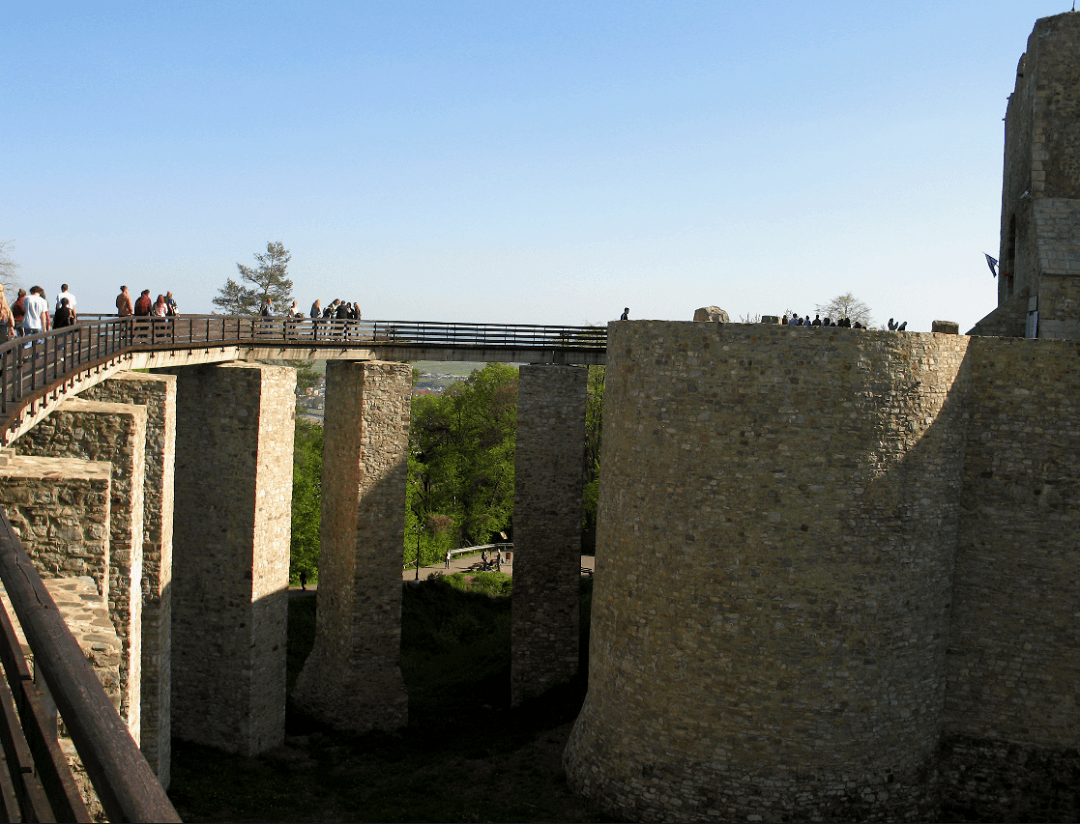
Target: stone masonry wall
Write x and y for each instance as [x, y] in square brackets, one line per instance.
[777, 520]
[59, 507]
[234, 445]
[157, 393]
[115, 433]
[352, 678]
[1014, 664]
[548, 466]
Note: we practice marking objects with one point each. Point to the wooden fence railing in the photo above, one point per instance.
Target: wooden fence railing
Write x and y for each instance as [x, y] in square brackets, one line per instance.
[36, 783]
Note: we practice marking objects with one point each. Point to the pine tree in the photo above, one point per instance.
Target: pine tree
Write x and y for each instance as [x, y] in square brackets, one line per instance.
[268, 280]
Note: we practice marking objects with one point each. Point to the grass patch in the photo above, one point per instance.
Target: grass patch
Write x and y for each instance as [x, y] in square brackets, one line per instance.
[465, 756]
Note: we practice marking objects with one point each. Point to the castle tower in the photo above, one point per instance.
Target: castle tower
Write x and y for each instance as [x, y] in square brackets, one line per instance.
[1039, 282]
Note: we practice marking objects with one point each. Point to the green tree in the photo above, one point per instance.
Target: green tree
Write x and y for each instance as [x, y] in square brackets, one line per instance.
[268, 280]
[461, 463]
[306, 500]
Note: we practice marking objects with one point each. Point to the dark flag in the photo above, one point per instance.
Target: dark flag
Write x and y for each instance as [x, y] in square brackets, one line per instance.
[992, 264]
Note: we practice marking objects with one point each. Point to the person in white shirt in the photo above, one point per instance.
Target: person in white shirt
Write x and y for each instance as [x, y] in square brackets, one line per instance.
[37, 312]
[64, 293]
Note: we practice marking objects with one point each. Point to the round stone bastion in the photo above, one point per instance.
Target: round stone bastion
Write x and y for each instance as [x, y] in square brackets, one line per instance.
[777, 522]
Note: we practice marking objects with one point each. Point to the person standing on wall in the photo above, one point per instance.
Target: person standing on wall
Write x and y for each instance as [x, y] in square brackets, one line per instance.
[625, 314]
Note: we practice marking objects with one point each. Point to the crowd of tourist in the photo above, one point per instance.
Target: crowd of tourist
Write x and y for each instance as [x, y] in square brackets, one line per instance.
[144, 306]
[846, 323]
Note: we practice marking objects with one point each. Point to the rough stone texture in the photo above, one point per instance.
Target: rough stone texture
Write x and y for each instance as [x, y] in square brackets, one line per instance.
[59, 507]
[774, 559]
[947, 327]
[234, 452]
[548, 461]
[836, 577]
[991, 780]
[1040, 210]
[713, 314]
[1014, 667]
[157, 393]
[352, 678]
[93, 431]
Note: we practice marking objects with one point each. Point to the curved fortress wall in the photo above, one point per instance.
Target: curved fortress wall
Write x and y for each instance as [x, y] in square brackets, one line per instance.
[777, 524]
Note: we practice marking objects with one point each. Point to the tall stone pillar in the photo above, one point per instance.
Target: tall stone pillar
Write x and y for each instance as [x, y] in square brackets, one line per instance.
[548, 473]
[352, 678]
[234, 451]
[116, 433]
[157, 393]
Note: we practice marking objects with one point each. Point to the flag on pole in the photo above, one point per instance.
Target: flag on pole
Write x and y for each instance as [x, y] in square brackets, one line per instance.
[992, 263]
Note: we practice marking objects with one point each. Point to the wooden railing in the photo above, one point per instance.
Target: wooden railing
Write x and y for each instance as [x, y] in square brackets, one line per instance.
[36, 783]
[30, 365]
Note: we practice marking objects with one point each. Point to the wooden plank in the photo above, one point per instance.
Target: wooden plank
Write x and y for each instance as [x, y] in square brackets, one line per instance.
[127, 787]
[38, 728]
[9, 801]
[32, 801]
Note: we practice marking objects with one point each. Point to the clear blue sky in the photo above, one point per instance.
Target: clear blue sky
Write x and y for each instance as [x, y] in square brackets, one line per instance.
[539, 162]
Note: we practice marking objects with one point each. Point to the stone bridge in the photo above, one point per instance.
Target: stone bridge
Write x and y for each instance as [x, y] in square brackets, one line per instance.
[155, 458]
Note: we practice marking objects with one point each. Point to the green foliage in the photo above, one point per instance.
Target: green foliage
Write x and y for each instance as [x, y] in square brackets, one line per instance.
[461, 464]
[268, 280]
[306, 501]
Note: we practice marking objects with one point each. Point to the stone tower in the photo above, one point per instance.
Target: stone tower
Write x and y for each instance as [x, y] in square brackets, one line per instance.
[1039, 282]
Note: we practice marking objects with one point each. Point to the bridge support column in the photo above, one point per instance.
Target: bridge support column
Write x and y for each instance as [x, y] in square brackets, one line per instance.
[352, 678]
[548, 472]
[234, 451]
[115, 433]
[157, 393]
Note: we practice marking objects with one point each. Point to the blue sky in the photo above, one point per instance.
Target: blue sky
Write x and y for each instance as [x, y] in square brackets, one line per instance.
[540, 162]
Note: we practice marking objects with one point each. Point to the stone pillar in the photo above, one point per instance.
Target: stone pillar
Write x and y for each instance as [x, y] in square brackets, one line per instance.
[548, 472]
[157, 393]
[776, 533]
[116, 433]
[352, 678]
[234, 452]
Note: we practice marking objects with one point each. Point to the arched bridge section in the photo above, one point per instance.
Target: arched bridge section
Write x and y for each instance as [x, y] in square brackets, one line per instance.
[171, 492]
[39, 372]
